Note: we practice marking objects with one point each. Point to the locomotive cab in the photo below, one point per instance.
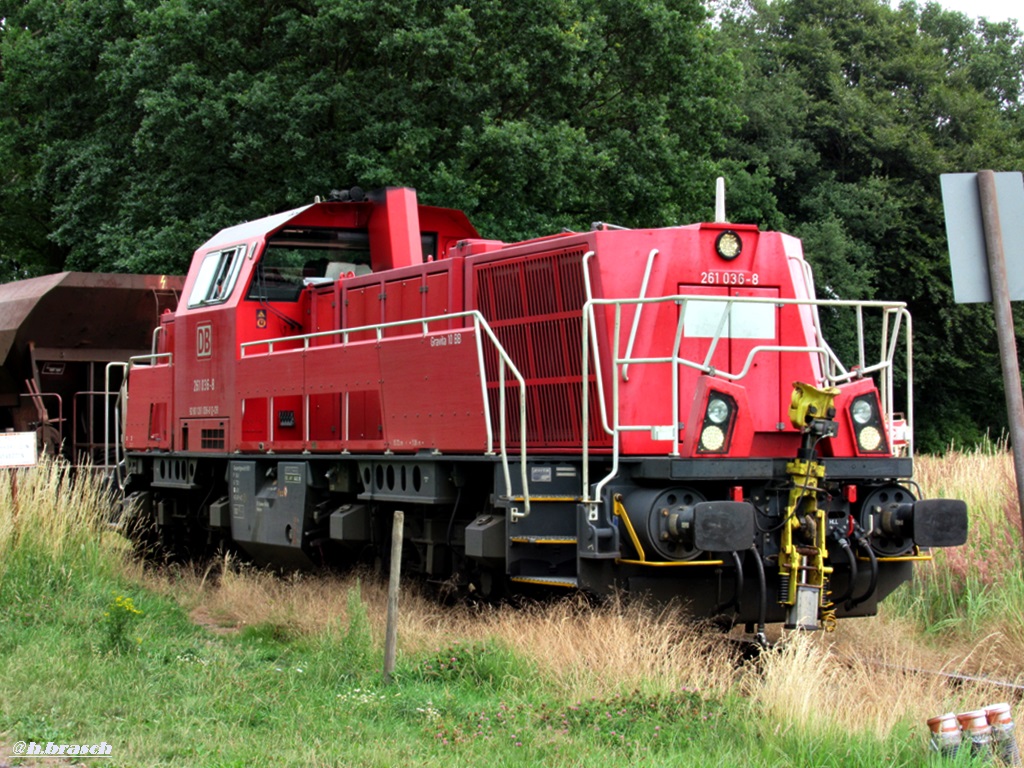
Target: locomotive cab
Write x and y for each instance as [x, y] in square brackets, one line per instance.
[268, 280]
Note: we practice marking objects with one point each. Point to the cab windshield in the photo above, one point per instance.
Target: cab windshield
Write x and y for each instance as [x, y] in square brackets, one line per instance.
[295, 258]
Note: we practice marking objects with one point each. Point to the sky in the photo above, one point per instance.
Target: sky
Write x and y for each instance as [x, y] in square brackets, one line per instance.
[993, 10]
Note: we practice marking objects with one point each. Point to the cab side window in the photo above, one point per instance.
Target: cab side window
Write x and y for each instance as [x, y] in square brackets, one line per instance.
[216, 276]
[279, 274]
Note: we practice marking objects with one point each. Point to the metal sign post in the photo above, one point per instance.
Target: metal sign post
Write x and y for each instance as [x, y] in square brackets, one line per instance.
[972, 204]
[1004, 324]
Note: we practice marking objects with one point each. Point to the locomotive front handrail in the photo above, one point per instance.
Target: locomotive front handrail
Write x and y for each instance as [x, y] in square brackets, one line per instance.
[832, 371]
[887, 391]
[636, 315]
[479, 322]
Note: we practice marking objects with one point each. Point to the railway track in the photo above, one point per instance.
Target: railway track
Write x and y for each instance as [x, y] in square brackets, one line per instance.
[750, 651]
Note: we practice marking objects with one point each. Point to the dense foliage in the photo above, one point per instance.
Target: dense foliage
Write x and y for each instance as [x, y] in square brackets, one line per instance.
[131, 130]
[854, 109]
[142, 128]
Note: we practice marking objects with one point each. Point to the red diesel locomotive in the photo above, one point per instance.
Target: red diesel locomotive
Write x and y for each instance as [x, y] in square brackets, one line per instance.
[652, 410]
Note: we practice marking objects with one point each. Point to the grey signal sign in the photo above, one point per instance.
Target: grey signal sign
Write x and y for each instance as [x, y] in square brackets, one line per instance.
[966, 235]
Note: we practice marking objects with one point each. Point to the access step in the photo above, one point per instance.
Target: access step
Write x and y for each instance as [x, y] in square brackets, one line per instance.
[543, 539]
[535, 499]
[569, 582]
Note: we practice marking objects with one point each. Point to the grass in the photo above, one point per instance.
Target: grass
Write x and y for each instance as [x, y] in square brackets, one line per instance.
[231, 666]
[977, 590]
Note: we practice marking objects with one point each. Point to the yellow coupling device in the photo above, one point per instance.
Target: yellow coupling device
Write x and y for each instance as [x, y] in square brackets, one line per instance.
[809, 403]
[803, 572]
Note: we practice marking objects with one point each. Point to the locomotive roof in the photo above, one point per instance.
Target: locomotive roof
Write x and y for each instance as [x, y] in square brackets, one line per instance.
[453, 219]
[254, 228]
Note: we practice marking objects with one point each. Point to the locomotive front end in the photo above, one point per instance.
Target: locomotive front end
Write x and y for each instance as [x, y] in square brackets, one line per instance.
[728, 414]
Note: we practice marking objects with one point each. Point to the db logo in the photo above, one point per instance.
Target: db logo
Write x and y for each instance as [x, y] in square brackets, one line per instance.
[204, 340]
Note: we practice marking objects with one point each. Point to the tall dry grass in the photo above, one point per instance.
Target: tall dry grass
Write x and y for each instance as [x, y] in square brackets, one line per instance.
[869, 676]
[983, 477]
[982, 582]
[622, 645]
[584, 648]
[52, 514]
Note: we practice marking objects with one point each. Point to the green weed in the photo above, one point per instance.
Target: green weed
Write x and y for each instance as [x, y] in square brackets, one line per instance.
[483, 664]
[119, 618]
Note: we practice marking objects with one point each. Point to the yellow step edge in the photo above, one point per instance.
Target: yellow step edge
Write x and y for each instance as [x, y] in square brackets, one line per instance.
[547, 581]
[542, 540]
[547, 498]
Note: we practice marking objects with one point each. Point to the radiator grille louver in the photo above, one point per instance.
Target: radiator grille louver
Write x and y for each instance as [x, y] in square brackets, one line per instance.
[535, 304]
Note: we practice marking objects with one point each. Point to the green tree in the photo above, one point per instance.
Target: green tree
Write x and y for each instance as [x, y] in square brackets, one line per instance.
[183, 116]
[50, 116]
[853, 111]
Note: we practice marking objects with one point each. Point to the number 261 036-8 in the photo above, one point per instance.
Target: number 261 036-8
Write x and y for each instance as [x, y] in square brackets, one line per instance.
[729, 278]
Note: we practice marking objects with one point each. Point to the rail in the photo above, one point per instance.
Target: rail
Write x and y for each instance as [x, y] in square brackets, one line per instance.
[894, 319]
[479, 323]
[887, 392]
[93, 443]
[43, 420]
[505, 367]
[639, 311]
[120, 403]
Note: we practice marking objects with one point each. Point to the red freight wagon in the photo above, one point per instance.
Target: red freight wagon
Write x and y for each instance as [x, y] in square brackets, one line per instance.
[59, 336]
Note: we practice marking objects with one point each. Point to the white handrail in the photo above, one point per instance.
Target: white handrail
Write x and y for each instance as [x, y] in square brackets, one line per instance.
[888, 307]
[106, 419]
[589, 341]
[479, 322]
[894, 314]
[636, 315]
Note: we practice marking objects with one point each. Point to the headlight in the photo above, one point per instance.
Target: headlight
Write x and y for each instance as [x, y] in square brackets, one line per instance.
[861, 411]
[716, 427]
[718, 410]
[866, 415]
[728, 245]
[712, 439]
[869, 439]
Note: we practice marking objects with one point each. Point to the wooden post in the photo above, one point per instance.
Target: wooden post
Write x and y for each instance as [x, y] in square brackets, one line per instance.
[1004, 324]
[14, 497]
[391, 636]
